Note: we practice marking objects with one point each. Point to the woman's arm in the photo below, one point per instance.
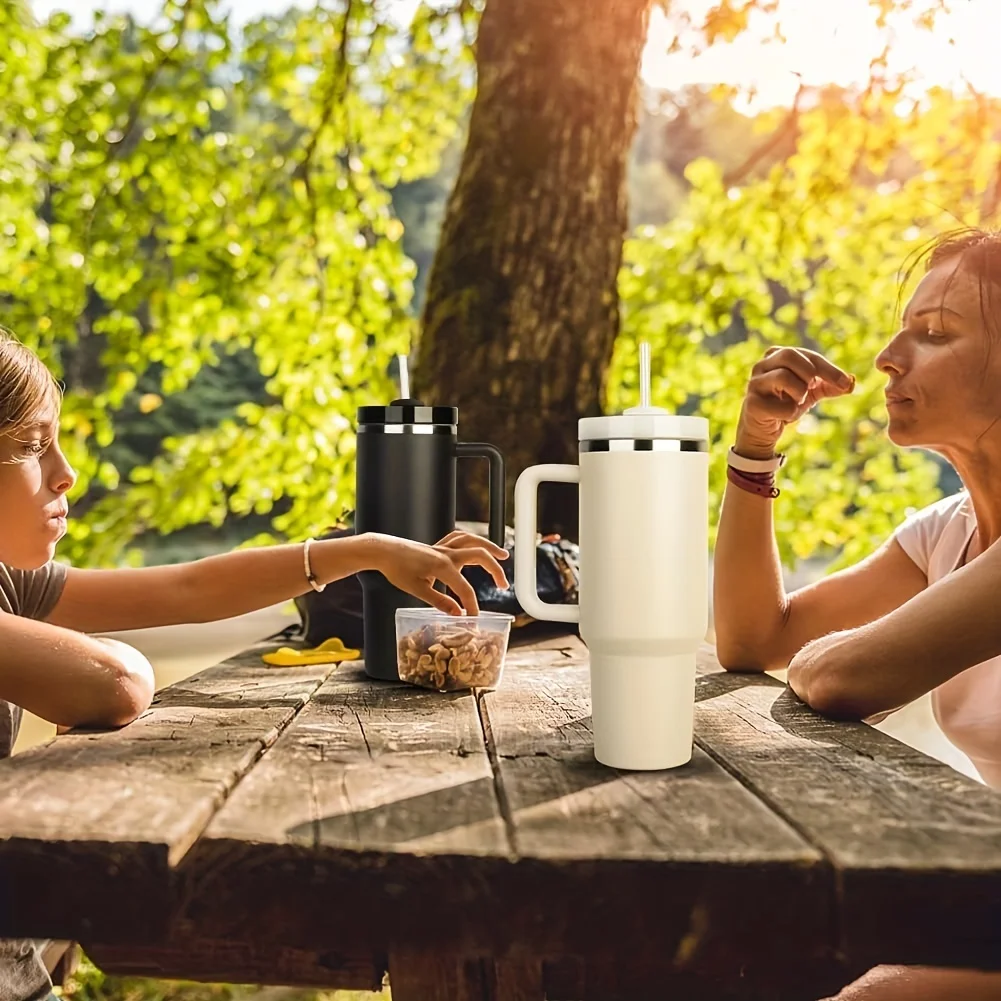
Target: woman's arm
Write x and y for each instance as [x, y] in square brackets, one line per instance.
[948, 627]
[220, 587]
[70, 679]
[758, 626]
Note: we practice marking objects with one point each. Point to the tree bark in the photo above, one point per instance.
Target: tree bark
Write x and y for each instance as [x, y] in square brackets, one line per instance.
[522, 306]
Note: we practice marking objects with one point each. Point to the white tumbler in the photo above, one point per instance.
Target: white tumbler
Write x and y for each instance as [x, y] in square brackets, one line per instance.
[644, 568]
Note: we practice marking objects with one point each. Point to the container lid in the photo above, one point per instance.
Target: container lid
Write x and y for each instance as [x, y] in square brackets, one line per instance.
[643, 422]
[408, 412]
[426, 614]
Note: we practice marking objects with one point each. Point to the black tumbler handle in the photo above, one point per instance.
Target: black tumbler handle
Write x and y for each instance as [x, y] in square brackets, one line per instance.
[478, 450]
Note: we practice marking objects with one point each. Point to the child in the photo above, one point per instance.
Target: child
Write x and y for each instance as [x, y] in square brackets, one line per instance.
[48, 663]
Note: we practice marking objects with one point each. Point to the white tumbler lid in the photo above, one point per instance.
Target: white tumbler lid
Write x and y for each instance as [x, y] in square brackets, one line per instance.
[634, 425]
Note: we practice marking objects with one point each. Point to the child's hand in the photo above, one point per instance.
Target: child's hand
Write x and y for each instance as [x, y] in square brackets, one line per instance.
[415, 568]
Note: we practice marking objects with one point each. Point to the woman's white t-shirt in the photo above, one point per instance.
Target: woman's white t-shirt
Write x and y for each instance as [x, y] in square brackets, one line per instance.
[968, 706]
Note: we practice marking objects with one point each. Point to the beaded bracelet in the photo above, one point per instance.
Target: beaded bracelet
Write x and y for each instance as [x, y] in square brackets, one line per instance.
[307, 566]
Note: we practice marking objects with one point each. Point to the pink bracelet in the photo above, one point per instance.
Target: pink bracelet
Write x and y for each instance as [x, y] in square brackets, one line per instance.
[762, 484]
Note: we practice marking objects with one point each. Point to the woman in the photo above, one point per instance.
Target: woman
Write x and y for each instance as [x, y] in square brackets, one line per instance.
[921, 613]
[48, 663]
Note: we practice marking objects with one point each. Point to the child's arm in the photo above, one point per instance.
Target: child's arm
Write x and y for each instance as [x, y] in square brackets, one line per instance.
[219, 587]
[70, 679]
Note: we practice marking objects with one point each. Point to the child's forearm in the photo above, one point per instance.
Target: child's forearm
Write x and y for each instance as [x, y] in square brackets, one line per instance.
[217, 587]
[220, 587]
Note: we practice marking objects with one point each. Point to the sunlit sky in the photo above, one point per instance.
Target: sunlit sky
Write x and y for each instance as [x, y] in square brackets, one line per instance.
[834, 42]
[827, 42]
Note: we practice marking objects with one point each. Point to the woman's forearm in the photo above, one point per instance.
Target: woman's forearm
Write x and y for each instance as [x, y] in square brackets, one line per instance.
[748, 593]
[937, 634]
[751, 607]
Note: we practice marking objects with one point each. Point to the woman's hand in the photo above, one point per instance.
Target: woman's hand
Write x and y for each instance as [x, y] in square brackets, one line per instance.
[414, 568]
[784, 385]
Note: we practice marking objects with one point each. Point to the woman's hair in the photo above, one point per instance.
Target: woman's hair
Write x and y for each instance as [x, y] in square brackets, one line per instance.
[27, 388]
[979, 253]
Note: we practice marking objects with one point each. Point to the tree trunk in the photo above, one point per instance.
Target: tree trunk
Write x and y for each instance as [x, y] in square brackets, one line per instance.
[522, 307]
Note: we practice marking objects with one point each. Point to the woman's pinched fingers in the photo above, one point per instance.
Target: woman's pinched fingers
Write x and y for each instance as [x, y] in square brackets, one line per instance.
[808, 365]
[781, 382]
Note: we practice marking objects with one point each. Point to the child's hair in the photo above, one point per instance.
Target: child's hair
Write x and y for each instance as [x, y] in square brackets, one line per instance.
[27, 388]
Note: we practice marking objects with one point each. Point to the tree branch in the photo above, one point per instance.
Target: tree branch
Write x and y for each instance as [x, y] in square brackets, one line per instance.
[134, 112]
[340, 79]
[772, 143]
[336, 93]
[149, 82]
[115, 150]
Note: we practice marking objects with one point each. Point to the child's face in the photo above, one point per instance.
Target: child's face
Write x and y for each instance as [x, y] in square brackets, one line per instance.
[34, 478]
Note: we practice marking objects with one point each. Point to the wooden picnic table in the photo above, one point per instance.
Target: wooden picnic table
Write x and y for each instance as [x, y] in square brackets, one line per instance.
[310, 826]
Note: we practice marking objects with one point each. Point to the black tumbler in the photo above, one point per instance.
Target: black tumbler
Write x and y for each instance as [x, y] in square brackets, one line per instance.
[405, 486]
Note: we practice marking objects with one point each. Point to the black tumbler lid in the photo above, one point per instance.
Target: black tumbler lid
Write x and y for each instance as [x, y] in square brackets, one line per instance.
[408, 412]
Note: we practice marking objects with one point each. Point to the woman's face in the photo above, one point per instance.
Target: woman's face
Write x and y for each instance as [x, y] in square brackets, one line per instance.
[943, 369]
[34, 479]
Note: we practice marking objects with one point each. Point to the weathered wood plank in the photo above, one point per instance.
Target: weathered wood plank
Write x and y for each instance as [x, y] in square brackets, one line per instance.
[210, 961]
[916, 846]
[244, 681]
[338, 774]
[517, 979]
[441, 976]
[640, 977]
[427, 976]
[92, 823]
[684, 866]
[364, 825]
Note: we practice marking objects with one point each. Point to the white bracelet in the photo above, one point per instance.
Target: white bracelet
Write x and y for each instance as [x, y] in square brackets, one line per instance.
[744, 465]
[308, 567]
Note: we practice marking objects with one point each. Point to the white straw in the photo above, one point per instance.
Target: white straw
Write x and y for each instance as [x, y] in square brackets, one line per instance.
[404, 377]
[645, 374]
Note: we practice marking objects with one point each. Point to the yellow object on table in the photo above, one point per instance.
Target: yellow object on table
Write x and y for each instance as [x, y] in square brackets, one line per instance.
[331, 651]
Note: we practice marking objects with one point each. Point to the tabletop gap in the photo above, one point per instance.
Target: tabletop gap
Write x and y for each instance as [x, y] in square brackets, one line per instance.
[503, 802]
